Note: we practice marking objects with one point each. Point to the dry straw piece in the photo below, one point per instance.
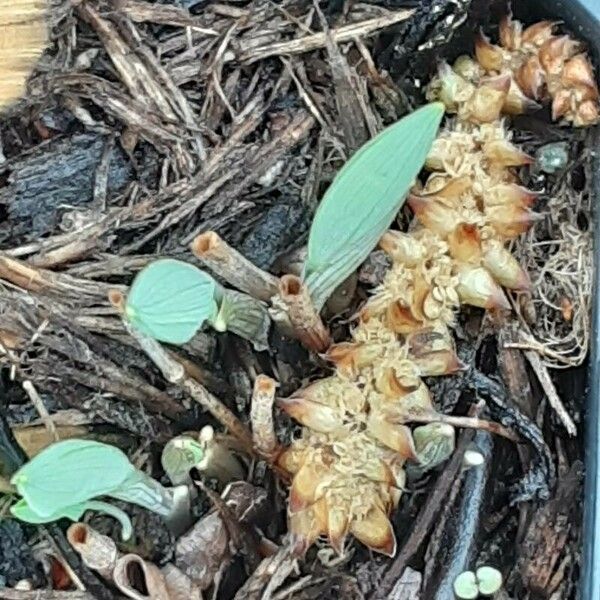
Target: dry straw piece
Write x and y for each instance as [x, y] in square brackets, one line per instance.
[348, 466]
[23, 38]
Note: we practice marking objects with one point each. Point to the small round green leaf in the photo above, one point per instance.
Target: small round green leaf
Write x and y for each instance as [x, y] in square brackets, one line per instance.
[364, 198]
[169, 300]
[465, 586]
[489, 580]
[70, 472]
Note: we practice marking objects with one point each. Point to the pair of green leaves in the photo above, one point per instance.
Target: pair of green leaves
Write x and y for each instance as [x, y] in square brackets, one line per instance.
[361, 203]
[64, 479]
[170, 300]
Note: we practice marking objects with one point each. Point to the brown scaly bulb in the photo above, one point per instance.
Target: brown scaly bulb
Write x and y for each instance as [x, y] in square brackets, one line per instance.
[23, 38]
[347, 468]
[535, 64]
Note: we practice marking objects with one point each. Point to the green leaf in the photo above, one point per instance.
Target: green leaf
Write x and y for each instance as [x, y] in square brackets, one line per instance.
[25, 513]
[70, 472]
[243, 315]
[363, 199]
[465, 586]
[169, 300]
[489, 580]
[22, 511]
[178, 456]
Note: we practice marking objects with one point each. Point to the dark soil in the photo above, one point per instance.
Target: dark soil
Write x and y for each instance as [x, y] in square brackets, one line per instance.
[140, 132]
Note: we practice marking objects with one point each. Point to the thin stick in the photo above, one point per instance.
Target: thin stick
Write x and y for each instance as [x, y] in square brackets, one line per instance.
[41, 409]
[469, 423]
[6, 487]
[319, 40]
[294, 310]
[226, 262]
[261, 415]
[174, 372]
[543, 376]
[12, 594]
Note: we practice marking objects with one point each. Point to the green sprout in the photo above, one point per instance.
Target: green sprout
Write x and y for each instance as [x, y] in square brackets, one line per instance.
[434, 443]
[170, 300]
[486, 581]
[66, 478]
[489, 580]
[208, 454]
[465, 586]
[364, 198]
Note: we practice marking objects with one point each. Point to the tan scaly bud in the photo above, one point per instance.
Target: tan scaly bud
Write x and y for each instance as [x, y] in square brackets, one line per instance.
[578, 72]
[450, 88]
[467, 68]
[485, 105]
[338, 524]
[588, 113]
[511, 33]
[315, 415]
[561, 104]
[350, 357]
[307, 525]
[477, 288]
[402, 248]
[502, 153]
[538, 33]
[504, 267]
[517, 103]
[489, 56]
[395, 436]
[375, 531]
[509, 196]
[307, 485]
[400, 319]
[432, 351]
[530, 77]
[464, 243]
[510, 221]
[555, 52]
[451, 189]
[434, 214]
[292, 459]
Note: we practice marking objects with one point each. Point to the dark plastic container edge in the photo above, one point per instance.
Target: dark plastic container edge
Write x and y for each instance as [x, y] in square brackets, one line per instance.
[583, 18]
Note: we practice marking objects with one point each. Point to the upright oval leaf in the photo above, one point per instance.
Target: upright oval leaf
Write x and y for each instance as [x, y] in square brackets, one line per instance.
[364, 198]
[70, 472]
[169, 300]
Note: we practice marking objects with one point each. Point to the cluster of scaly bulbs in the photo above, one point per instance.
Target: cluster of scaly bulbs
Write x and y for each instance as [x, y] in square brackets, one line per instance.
[347, 467]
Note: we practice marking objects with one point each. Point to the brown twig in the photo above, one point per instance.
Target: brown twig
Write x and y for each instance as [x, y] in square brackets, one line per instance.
[295, 312]
[426, 518]
[174, 372]
[308, 43]
[226, 262]
[261, 415]
[11, 594]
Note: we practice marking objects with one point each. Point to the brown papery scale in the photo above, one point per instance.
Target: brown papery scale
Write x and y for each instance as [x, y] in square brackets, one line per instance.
[347, 466]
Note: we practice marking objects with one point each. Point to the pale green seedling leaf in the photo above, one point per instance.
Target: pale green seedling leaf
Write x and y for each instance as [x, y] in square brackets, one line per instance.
[169, 300]
[178, 456]
[245, 316]
[465, 586]
[70, 472]
[489, 580]
[22, 511]
[364, 198]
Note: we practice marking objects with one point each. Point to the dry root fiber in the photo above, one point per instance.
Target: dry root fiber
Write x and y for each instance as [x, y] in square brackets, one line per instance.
[23, 37]
[348, 465]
